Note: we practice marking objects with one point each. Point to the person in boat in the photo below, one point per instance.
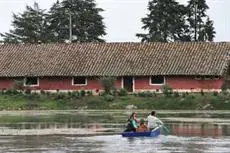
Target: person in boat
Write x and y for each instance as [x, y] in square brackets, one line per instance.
[153, 121]
[132, 123]
[142, 126]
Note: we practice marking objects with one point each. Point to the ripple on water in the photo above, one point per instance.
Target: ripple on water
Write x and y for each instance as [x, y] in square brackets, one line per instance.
[114, 144]
[161, 144]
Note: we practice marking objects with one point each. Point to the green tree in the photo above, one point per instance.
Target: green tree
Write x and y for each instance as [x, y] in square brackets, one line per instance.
[77, 21]
[59, 22]
[165, 22]
[200, 26]
[29, 27]
[107, 83]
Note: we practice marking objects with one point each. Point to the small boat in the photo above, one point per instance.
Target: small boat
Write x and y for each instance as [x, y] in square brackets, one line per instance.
[154, 133]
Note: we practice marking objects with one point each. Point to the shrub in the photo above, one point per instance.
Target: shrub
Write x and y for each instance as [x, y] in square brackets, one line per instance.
[176, 94]
[89, 93]
[48, 93]
[27, 90]
[42, 92]
[11, 92]
[109, 98]
[82, 93]
[202, 92]
[60, 96]
[145, 94]
[18, 85]
[215, 93]
[166, 90]
[141, 94]
[125, 98]
[102, 93]
[107, 83]
[224, 92]
[69, 93]
[122, 92]
[184, 95]
[75, 94]
[115, 92]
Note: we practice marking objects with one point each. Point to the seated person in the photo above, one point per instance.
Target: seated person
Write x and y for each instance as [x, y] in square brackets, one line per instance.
[142, 126]
[153, 121]
[132, 123]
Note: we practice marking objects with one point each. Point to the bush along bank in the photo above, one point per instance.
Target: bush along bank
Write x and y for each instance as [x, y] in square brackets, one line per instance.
[117, 99]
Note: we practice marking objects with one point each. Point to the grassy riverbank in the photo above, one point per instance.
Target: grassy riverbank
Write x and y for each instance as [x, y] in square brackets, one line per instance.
[147, 100]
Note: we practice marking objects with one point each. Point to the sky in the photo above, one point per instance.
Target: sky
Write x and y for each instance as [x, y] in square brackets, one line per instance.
[123, 17]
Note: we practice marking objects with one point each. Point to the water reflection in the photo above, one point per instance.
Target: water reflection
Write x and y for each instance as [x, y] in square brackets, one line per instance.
[186, 135]
[115, 121]
[197, 129]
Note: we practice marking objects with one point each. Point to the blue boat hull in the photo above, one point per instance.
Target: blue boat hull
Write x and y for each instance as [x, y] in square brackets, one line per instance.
[154, 133]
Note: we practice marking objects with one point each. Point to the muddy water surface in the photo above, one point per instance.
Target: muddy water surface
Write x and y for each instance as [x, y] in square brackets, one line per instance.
[98, 131]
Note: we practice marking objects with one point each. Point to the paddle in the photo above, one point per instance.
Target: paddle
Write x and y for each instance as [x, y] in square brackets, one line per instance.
[165, 130]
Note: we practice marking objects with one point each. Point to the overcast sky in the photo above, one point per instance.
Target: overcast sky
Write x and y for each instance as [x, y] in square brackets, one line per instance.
[123, 17]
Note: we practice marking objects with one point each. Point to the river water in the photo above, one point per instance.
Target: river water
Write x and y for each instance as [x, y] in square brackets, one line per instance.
[98, 132]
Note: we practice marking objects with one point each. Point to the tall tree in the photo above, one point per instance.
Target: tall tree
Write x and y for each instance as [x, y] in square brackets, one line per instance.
[77, 21]
[165, 22]
[29, 27]
[55, 17]
[200, 26]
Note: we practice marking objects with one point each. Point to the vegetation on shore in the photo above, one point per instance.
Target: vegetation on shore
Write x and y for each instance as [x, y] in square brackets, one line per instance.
[118, 99]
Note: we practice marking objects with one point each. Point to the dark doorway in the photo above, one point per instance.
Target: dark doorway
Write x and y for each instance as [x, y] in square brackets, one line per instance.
[128, 83]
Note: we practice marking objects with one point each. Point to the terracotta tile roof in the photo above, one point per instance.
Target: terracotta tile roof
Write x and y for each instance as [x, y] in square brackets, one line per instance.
[115, 59]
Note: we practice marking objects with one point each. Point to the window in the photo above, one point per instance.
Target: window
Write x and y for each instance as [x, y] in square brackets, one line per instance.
[157, 80]
[207, 78]
[79, 81]
[31, 81]
[216, 78]
[198, 77]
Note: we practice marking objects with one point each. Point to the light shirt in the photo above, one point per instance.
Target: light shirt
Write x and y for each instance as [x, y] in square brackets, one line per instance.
[153, 121]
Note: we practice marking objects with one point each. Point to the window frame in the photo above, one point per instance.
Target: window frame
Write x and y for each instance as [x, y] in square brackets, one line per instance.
[154, 84]
[86, 81]
[33, 85]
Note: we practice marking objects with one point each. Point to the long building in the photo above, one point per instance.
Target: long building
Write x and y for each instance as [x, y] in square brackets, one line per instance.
[189, 66]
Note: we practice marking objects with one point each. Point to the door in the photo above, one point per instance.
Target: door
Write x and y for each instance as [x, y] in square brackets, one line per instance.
[128, 83]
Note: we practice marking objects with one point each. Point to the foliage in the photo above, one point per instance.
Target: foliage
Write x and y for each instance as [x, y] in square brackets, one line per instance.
[96, 103]
[122, 92]
[61, 101]
[200, 26]
[168, 21]
[165, 22]
[166, 90]
[18, 85]
[11, 92]
[27, 90]
[75, 94]
[87, 24]
[82, 93]
[60, 96]
[176, 94]
[145, 94]
[108, 84]
[89, 93]
[29, 27]
[35, 25]
[109, 98]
